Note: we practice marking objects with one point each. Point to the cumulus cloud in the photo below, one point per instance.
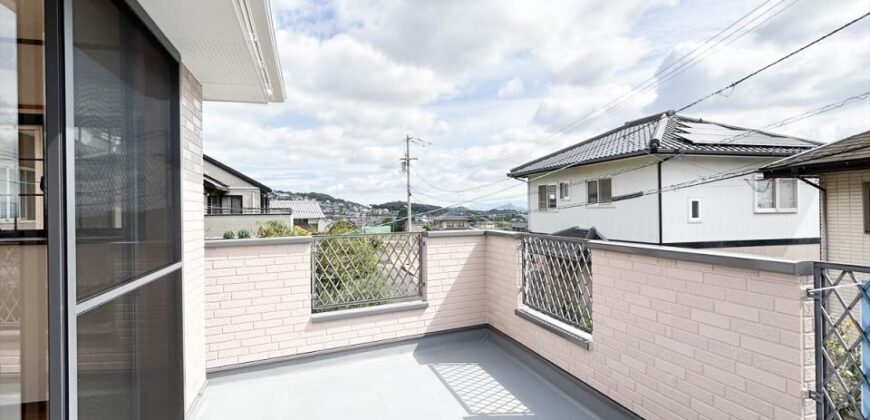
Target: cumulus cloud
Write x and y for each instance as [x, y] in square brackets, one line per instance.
[361, 74]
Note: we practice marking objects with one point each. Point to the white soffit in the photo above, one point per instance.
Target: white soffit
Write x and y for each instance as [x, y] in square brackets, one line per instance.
[708, 133]
[229, 45]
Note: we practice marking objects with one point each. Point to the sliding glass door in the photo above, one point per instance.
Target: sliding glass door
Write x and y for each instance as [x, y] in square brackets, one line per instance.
[127, 235]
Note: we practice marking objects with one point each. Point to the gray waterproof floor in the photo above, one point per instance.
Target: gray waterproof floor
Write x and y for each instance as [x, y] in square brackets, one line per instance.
[474, 374]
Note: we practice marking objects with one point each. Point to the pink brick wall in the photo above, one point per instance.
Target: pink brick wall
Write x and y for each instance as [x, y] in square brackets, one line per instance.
[672, 339]
[258, 302]
[677, 340]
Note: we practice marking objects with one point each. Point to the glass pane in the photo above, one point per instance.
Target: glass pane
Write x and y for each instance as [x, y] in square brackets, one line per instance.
[764, 194]
[551, 196]
[604, 191]
[787, 193]
[696, 209]
[126, 165]
[592, 191]
[129, 355]
[542, 196]
[23, 265]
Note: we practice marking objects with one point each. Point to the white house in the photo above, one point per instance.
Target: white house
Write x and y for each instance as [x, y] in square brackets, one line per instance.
[672, 180]
[235, 202]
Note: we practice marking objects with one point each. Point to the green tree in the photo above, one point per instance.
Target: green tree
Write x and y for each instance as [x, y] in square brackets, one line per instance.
[341, 227]
[274, 229]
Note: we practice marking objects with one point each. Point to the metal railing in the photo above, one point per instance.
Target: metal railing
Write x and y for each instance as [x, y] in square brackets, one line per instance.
[842, 341]
[557, 278]
[351, 271]
[221, 211]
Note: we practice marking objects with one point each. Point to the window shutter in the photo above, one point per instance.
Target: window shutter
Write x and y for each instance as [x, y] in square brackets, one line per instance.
[542, 197]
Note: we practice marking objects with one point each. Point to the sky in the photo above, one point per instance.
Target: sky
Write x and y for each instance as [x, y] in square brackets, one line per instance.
[490, 84]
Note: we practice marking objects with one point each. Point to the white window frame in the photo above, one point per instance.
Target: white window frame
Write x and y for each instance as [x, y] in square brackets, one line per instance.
[567, 192]
[598, 202]
[555, 203]
[698, 219]
[775, 184]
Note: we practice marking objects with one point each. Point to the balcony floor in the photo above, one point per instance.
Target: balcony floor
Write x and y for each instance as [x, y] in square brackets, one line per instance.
[474, 374]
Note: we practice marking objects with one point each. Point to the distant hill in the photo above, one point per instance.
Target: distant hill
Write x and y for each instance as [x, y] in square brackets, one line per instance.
[418, 208]
[340, 208]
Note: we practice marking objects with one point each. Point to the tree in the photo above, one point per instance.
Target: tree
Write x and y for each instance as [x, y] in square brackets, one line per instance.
[274, 229]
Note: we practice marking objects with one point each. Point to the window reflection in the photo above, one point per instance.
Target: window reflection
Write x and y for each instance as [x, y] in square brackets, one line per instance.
[23, 284]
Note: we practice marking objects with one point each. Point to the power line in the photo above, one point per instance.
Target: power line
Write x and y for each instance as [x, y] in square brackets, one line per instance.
[669, 72]
[775, 62]
[704, 98]
[740, 170]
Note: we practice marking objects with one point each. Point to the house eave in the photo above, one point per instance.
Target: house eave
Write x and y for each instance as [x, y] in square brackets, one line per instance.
[228, 46]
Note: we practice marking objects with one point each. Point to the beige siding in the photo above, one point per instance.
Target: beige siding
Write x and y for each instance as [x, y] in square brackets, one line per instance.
[846, 241]
[672, 339]
[192, 236]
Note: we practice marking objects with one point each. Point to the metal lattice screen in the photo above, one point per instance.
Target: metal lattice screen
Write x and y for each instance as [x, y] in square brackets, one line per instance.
[842, 322]
[10, 286]
[350, 271]
[557, 279]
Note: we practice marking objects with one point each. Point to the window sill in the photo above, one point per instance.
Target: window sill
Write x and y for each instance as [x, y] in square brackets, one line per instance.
[369, 311]
[574, 335]
[776, 211]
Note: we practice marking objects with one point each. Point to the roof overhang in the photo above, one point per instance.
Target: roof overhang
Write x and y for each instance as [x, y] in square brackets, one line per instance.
[801, 170]
[228, 45]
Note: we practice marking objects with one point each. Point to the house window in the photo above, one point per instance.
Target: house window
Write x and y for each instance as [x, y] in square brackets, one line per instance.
[776, 195]
[564, 191]
[694, 210]
[546, 197]
[599, 191]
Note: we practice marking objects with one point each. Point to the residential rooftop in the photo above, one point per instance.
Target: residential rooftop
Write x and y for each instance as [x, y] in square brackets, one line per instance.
[667, 133]
[850, 153]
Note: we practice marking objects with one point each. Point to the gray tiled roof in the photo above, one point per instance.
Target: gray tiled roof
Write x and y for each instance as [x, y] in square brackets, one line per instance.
[850, 149]
[678, 134]
[302, 209]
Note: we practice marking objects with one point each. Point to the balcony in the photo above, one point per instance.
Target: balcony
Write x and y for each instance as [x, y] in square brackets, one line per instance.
[219, 220]
[487, 324]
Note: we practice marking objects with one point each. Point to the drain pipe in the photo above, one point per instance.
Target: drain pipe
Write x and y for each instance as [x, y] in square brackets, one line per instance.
[653, 148]
[823, 207]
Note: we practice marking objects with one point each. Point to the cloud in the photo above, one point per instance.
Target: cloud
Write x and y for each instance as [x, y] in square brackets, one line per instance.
[513, 87]
[361, 74]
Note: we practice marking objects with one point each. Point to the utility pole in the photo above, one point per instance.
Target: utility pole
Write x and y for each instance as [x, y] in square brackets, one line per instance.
[406, 168]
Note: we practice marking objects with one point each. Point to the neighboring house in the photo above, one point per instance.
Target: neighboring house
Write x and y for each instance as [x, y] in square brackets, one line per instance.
[102, 287]
[307, 214]
[228, 191]
[612, 182]
[234, 201]
[843, 171]
[450, 222]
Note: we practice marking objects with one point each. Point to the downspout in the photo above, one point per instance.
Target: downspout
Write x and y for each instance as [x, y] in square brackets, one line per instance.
[659, 167]
[823, 200]
[652, 149]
